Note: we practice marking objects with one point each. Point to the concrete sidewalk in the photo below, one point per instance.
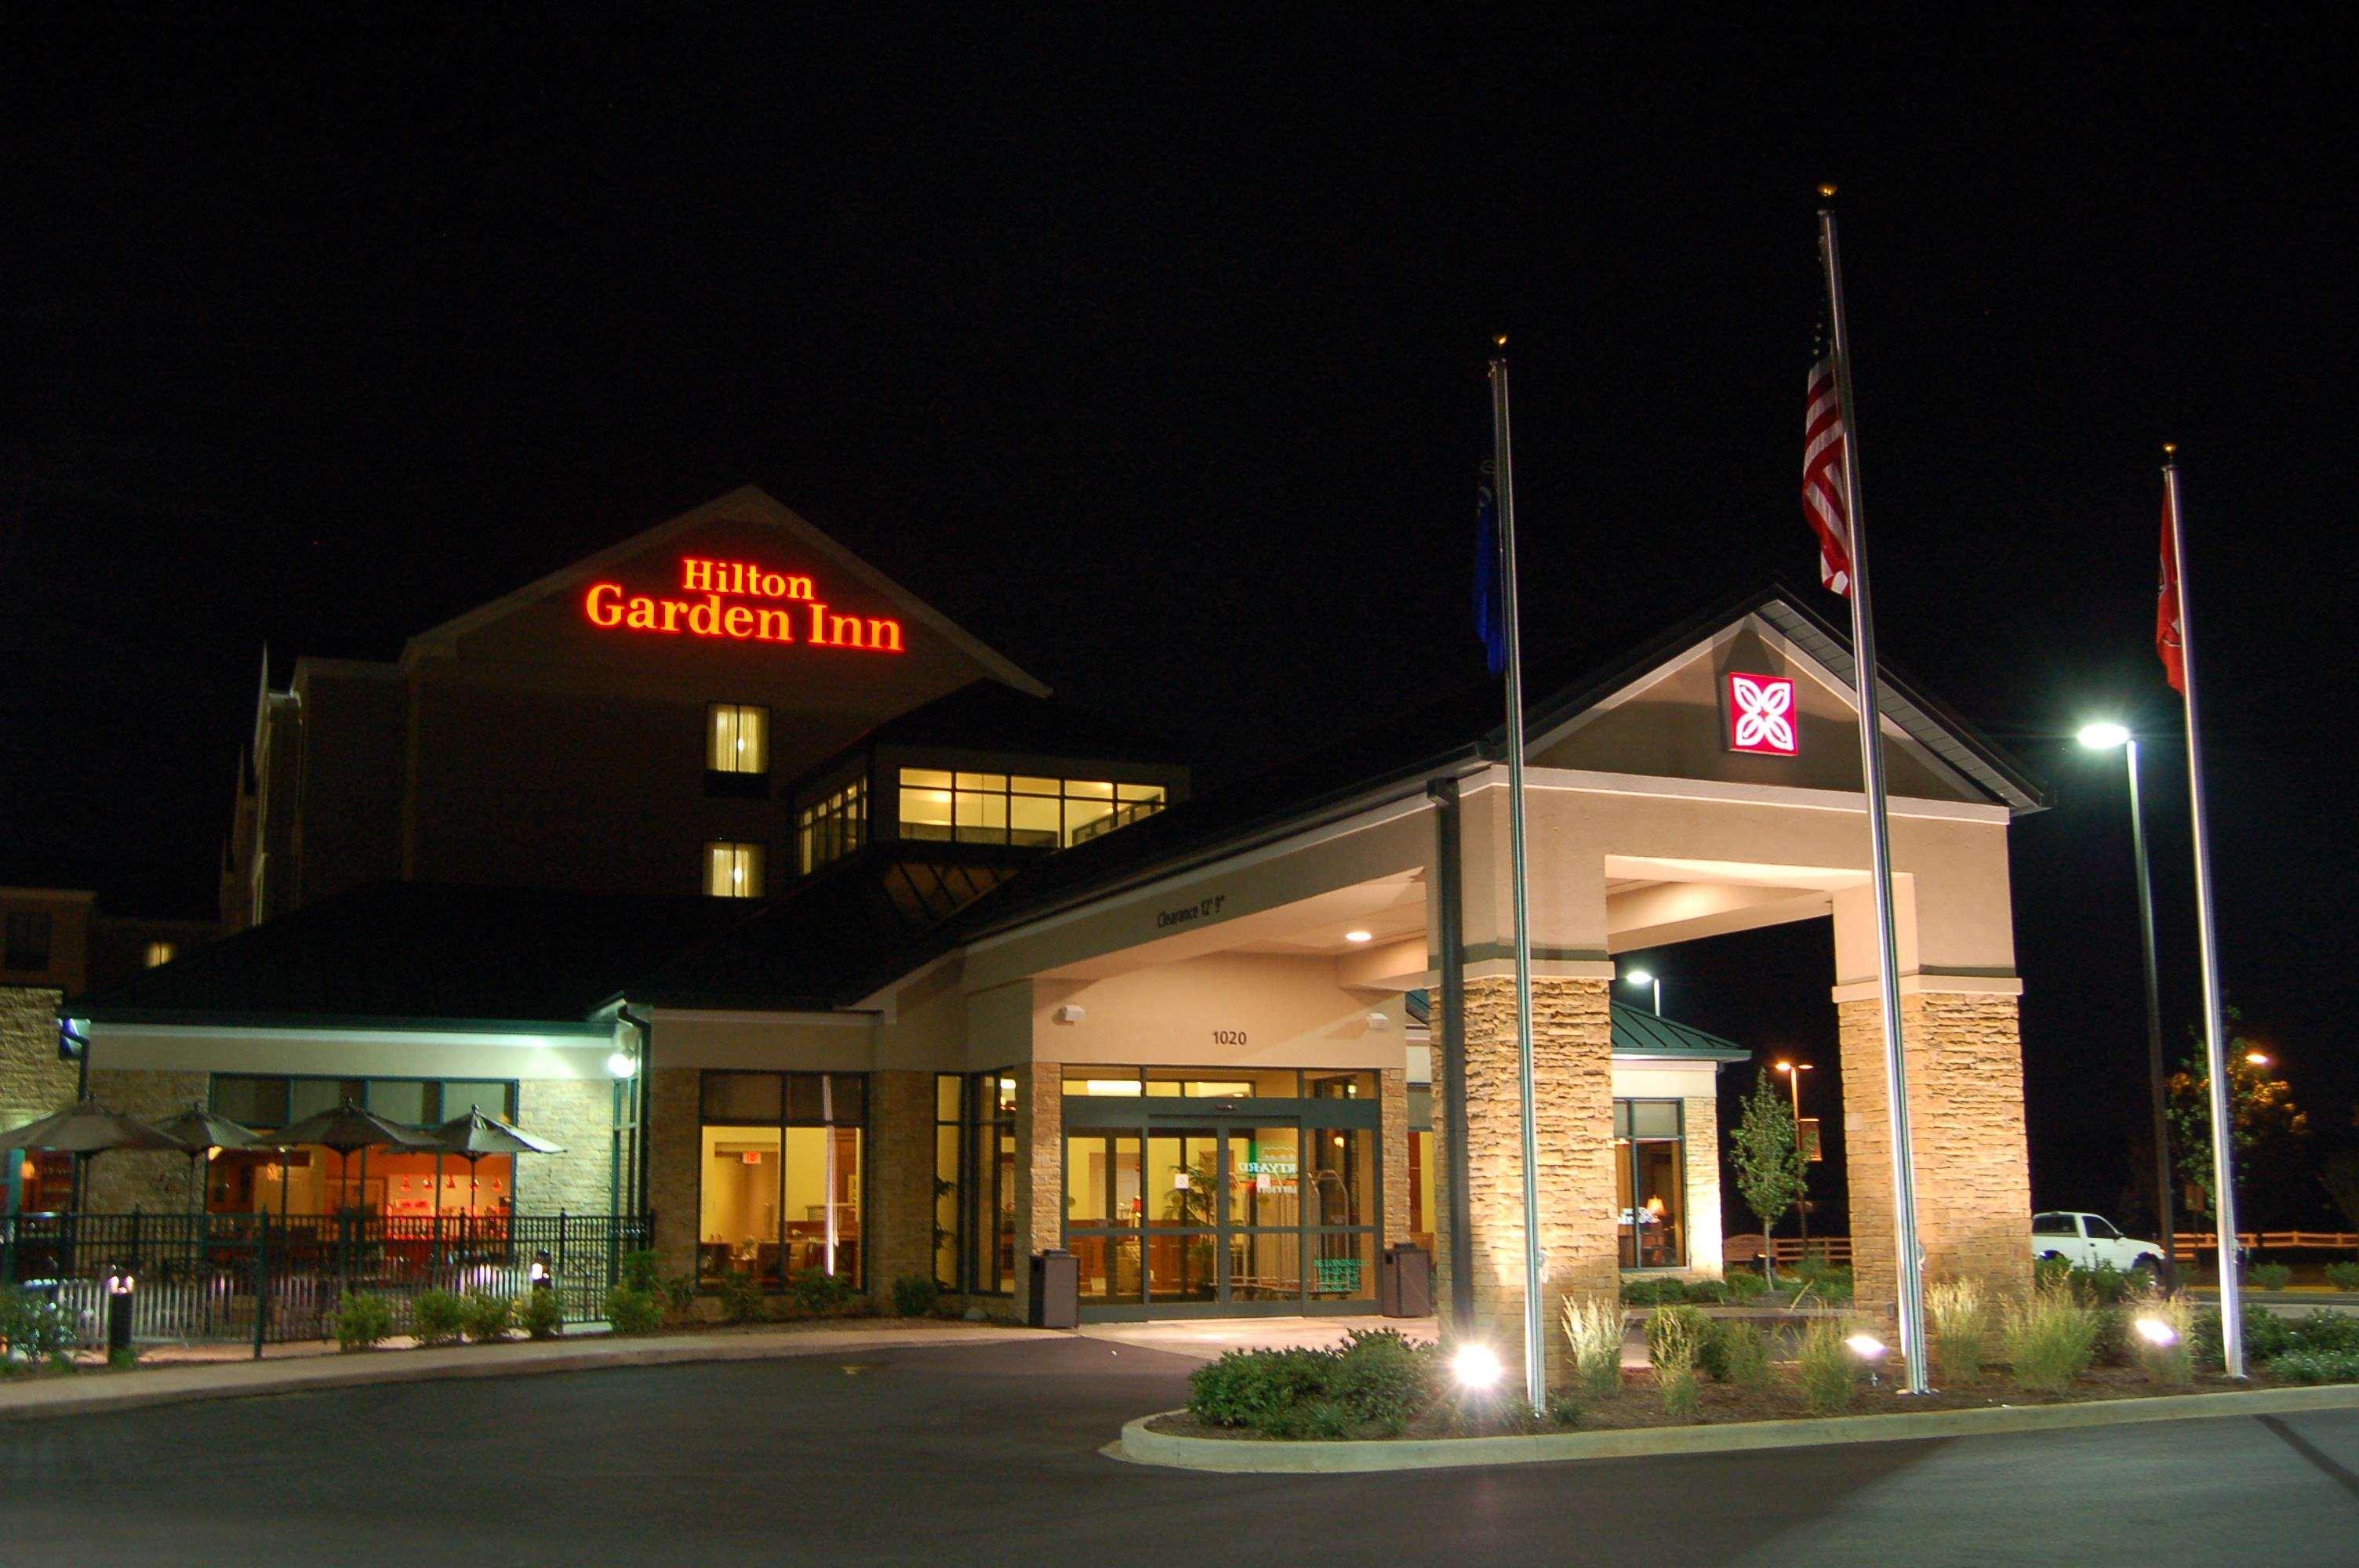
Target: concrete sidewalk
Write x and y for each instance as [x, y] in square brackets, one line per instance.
[95, 1391]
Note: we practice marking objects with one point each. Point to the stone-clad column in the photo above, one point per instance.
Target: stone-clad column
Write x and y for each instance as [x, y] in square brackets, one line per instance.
[1573, 1082]
[1965, 1108]
[902, 1179]
[1392, 1091]
[1039, 1168]
[675, 1134]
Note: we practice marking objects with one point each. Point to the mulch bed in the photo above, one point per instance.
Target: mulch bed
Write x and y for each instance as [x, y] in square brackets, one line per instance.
[1639, 1405]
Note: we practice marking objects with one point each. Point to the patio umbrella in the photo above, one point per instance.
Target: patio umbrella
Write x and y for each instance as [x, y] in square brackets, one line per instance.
[475, 1135]
[198, 1129]
[348, 1128]
[86, 1128]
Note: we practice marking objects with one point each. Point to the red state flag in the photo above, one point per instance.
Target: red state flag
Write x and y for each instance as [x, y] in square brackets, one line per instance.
[2170, 642]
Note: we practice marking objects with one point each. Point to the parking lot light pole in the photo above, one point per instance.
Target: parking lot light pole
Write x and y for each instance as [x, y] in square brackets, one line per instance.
[1794, 1071]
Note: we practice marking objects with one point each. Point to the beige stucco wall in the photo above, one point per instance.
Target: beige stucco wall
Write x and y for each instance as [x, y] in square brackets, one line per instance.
[1290, 1010]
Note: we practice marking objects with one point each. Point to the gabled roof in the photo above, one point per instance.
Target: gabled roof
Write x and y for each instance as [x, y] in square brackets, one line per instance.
[747, 502]
[1455, 735]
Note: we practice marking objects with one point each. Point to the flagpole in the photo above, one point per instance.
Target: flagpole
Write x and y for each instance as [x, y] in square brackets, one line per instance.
[2215, 1046]
[1503, 480]
[1871, 761]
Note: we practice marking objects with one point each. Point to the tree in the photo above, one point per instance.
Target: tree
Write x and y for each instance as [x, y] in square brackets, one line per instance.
[2269, 1129]
[2339, 1177]
[1767, 1151]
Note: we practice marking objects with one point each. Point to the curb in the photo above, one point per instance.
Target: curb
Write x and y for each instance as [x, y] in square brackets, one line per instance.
[1245, 1457]
[65, 1397]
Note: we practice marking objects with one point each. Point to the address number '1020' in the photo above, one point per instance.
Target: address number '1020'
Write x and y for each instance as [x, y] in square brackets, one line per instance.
[1228, 1036]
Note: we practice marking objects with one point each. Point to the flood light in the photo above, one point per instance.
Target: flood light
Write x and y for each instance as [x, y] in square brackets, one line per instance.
[621, 1064]
[1638, 978]
[2154, 1331]
[1476, 1367]
[1866, 1346]
[2104, 736]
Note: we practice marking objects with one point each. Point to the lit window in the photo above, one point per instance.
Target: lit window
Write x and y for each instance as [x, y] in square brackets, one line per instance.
[1651, 1183]
[738, 739]
[159, 953]
[832, 828]
[733, 871]
[1036, 813]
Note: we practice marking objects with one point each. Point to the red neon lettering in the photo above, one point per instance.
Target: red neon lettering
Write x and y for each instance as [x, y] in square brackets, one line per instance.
[611, 612]
[607, 605]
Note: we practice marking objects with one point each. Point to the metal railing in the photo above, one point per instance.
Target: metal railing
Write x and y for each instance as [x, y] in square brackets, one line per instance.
[272, 1279]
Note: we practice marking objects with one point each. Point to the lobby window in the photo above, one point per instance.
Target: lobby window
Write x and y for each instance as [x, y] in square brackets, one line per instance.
[738, 739]
[950, 1181]
[1651, 1183]
[991, 1146]
[733, 871]
[312, 1180]
[780, 1176]
[1018, 809]
[833, 827]
[27, 945]
[158, 953]
[1420, 1167]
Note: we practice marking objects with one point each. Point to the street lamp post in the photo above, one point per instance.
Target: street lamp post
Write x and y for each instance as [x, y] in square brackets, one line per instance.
[1794, 1071]
[1642, 978]
[2104, 737]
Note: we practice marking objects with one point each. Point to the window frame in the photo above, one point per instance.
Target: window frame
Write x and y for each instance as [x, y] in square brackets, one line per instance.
[1625, 1154]
[995, 796]
[788, 1118]
[750, 855]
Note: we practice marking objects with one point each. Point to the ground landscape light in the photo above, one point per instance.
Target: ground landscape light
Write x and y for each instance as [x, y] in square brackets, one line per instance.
[2104, 736]
[1476, 1367]
[2154, 1331]
[1866, 1346]
[2257, 1058]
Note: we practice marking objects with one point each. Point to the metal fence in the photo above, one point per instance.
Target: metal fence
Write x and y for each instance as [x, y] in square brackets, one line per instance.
[267, 1278]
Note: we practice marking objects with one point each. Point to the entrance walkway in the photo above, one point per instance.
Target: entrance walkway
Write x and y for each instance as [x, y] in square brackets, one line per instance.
[1208, 1338]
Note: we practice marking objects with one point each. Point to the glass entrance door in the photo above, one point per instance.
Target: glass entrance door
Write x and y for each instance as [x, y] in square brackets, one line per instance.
[1185, 1217]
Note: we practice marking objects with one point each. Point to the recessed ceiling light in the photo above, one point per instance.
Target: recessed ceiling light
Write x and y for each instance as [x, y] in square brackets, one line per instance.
[1357, 936]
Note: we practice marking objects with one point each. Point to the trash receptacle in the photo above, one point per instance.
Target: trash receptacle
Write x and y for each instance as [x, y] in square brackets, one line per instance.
[1056, 1290]
[1405, 1283]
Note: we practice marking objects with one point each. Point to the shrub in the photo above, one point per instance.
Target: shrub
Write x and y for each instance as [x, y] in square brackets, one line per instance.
[1252, 1388]
[1675, 1339]
[821, 1293]
[2272, 1276]
[638, 1269]
[2051, 1339]
[633, 1311]
[2171, 1363]
[680, 1293]
[1745, 1286]
[125, 1358]
[363, 1320]
[1823, 1281]
[914, 1295]
[541, 1315]
[1494, 1412]
[2050, 1273]
[2342, 1276]
[487, 1317]
[2316, 1367]
[2103, 1285]
[1380, 1377]
[438, 1318]
[1563, 1409]
[2323, 1330]
[1592, 1327]
[1741, 1355]
[741, 1297]
[1653, 1289]
[1707, 1293]
[1317, 1420]
[1822, 1364]
[33, 1328]
[2266, 1336]
[1958, 1315]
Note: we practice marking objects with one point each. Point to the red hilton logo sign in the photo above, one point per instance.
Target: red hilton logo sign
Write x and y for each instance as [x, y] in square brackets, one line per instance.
[740, 602]
[1761, 715]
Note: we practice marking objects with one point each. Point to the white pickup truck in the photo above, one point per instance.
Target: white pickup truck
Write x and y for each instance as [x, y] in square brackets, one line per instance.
[2087, 1240]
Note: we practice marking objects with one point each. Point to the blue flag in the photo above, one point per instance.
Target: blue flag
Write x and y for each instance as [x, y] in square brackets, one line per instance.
[1490, 612]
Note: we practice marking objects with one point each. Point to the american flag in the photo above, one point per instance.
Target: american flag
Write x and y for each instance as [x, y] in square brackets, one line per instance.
[1824, 499]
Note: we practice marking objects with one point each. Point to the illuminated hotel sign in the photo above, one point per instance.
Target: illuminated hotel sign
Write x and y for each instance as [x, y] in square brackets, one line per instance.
[1761, 715]
[738, 602]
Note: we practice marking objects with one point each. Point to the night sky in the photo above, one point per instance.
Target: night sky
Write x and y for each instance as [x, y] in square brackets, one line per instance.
[1155, 359]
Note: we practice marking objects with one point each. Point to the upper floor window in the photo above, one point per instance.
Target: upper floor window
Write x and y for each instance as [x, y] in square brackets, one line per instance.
[834, 827]
[1004, 809]
[159, 953]
[738, 739]
[27, 946]
[733, 871]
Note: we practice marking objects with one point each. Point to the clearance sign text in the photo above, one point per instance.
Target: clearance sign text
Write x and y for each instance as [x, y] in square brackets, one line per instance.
[743, 602]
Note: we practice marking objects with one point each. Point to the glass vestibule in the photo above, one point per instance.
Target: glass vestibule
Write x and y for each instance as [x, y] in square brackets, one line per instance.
[1222, 1204]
